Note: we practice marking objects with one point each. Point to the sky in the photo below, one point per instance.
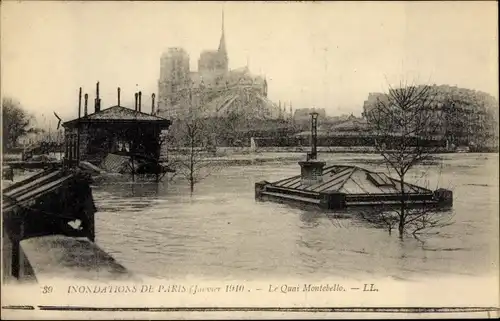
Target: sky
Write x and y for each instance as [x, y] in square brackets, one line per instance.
[323, 54]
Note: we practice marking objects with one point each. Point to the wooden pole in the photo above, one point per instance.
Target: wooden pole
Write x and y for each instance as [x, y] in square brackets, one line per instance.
[78, 126]
[85, 104]
[97, 103]
[140, 98]
[152, 104]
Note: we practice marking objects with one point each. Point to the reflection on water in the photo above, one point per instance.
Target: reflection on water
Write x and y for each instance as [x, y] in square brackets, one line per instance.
[159, 230]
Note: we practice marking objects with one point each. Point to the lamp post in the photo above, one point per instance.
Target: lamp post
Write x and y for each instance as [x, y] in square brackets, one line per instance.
[314, 136]
[311, 171]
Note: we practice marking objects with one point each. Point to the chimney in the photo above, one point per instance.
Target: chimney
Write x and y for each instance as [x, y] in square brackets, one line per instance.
[85, 106]
[80, 102]
[152, 104]
[118, 96]
[97, 103]
[136, 96]
[140, 95]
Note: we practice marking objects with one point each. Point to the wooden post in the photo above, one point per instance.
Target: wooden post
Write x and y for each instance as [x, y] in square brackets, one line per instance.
[152, 104]
[140, 98]
[85, 105]
[78, 126]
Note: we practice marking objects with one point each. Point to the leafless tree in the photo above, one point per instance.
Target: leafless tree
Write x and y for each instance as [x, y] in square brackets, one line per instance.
[16, 122]
[406, 122]
[190, 159]
[192, 137]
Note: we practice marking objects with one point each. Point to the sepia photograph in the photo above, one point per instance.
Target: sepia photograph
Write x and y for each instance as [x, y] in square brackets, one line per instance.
[281, 159]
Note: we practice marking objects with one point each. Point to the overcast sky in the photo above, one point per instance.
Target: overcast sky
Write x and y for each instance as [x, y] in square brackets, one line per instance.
[326, 55]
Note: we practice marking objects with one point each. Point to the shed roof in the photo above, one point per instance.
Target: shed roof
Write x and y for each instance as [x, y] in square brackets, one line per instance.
[119, 114]
[352, 180]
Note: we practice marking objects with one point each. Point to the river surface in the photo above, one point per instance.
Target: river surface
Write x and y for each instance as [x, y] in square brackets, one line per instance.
[159, 230]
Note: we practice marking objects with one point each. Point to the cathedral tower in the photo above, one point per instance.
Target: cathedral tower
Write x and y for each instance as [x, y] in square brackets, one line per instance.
[215, 61]
[174, 73]
[222, 51]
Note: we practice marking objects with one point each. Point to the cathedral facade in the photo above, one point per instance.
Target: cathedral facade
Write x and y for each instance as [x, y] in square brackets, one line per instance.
[213, 90]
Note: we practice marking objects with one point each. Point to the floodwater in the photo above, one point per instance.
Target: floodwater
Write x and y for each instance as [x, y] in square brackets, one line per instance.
[158, 230]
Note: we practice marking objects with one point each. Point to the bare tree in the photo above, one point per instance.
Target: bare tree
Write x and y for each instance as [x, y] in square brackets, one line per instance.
[406, 122]
[15, 121]
[190, 158]
[192, 138]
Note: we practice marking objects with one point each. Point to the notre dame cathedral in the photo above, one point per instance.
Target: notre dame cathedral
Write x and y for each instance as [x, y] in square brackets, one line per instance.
[213, 89]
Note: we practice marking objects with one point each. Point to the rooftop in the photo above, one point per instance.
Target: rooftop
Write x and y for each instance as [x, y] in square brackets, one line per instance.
[119, 114]
[352, 180]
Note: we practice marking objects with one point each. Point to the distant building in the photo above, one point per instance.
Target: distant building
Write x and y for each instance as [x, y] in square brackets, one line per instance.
[465, 116]
[351, 124]
[174, 75]
[304, 114]
[213, 89]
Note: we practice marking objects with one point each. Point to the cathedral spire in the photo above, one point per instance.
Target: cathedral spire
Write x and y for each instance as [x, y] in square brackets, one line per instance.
[222, 43]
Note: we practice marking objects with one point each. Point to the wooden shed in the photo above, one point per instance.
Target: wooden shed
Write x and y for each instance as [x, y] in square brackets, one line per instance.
[115, 130]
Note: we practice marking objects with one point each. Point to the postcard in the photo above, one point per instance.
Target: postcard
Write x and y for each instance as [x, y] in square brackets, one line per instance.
[219, 160]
